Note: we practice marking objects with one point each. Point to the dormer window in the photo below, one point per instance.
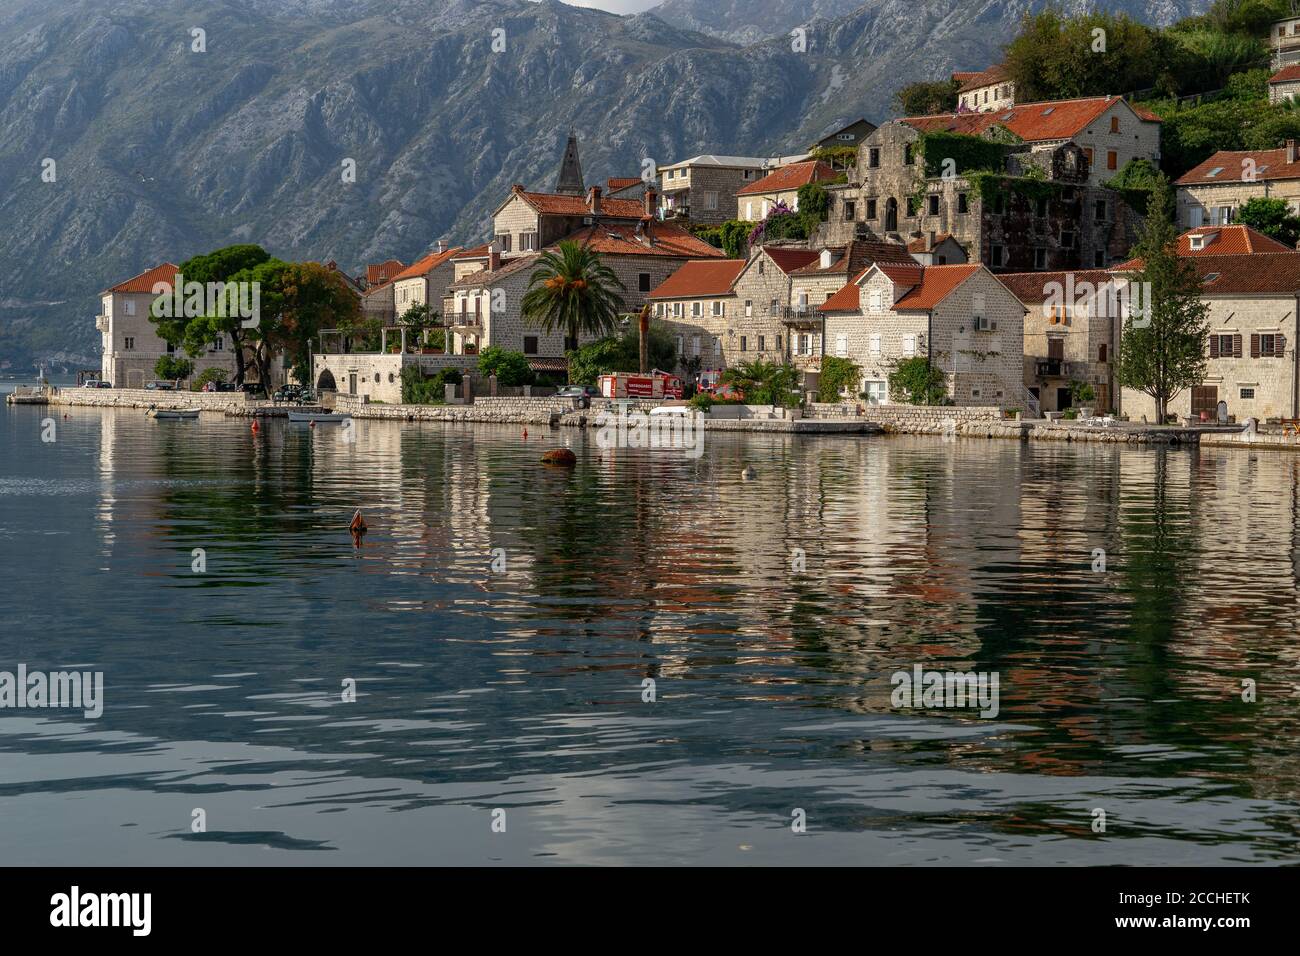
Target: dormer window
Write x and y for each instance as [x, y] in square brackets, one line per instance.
[826, 259]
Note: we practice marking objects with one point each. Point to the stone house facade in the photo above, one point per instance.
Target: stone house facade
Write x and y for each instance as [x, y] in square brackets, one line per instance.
[1254, 301]
[703, 188]
[529, 221]
[850, 135]
[131, 343]
[1284, 42]
[697, 306]
[425, 281]
[1213, 192]
[987, 91]
[1284, 85]
[1047, 211]
[1071, 328]
[960, 317]
[485, 307]
[780, 186]
[763, 325]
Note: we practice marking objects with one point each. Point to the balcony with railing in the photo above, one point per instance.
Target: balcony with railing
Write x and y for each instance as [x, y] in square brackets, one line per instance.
[799, 316]
[1060, 368]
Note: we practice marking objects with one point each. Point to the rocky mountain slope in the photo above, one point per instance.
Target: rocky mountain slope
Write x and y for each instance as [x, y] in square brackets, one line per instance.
[160, 151]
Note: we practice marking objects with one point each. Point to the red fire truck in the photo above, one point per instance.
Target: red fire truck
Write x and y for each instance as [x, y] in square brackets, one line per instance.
[654, 384]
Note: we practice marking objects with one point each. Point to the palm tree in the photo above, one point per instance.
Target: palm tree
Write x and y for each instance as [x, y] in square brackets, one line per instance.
[643, 337]
[574, 292]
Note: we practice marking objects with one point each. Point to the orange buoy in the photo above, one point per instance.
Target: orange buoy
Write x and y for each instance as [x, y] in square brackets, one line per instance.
[311, 424]
[560, 456]
[358, 528]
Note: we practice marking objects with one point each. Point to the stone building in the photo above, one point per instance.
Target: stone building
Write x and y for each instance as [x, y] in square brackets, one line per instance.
[528, 221]
[1071, 329]
[1284, 85]
[425, 281]
[780, 186]
[1041, 206]
[1284, 42]
[960, 317]
[1252, 298]
[763, 316]
[937, 249]
[850, 135]
[703, 188]
[1213, 192]
[131, 343]
[697, 305]
[985, 92]
[484, 308]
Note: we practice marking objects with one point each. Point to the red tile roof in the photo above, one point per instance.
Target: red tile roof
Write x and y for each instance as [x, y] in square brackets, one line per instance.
[1262, 273]
[145, 281]
[1032, 122]
[380, 273]
[973, 81]
[964, 75]
[700, 277]
[1031, 288]
[478, 252]
[856, 256]
[426, 265]
[1288, 74]
[926, 286]
[918, 245]
[615, 183]
[788, 258]
[1229, 166]
[937, 282]
[621, 239]
[845, 300]
[556, 204]
[1229, 240]
[789, 178]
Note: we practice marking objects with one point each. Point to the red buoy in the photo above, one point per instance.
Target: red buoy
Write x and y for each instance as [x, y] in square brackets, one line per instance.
[254, 424]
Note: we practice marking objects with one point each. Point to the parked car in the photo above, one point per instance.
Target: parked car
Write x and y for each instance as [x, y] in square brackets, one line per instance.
[90, 383]
[224, 387]
[578, 391]
[161, 386]
[727, 393]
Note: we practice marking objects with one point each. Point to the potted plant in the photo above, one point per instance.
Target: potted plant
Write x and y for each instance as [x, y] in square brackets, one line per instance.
[1083, 395]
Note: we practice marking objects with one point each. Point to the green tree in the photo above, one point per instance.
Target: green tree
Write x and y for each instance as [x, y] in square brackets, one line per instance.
[416, 320]
[764, 383]
[510, 368]
[1057, 57]
[573, 292]
[620, 353]
[298, 300]
[916, 382]
[735, 238]
[1162, 347]
[926, 99]
[838, 375]
[1272, 217]
[173, 367]
[195, 332]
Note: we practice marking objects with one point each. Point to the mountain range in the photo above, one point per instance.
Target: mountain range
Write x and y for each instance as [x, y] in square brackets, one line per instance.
[168, 132]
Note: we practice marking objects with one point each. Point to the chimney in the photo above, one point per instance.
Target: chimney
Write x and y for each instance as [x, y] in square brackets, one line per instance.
[929, 241]
[1290, 151]
[593, 200]
[517, 188]
[442, 246]
[826, 259]
[650, 197]
[494, 257]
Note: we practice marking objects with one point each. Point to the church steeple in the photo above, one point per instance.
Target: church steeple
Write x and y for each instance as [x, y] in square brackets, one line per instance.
[570, 182]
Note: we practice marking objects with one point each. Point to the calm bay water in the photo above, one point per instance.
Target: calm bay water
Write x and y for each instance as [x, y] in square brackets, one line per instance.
[522, 690]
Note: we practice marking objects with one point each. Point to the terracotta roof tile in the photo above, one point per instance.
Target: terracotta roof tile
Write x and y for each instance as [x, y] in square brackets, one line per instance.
[700, 277]
[557, 204]
[1031, 288]
[790, 177]
[615, 183]
[622, 239]
[1288, 74]
[145, 281]
[788, 258]
[478, 252]
[974, 81]
[1229, 240]
[1032, 122]
[937, 282]
[1229, 166]
[845, 300]
[426, 265]
[918, 245]
[380, 273]
[1261, 273]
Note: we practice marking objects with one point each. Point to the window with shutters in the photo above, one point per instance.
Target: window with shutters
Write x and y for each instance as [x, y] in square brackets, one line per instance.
[1223, 346]
[695, 345]
[1112, 159]
[762, 343]
[697, 309]
[1266, 346]
[871, 209]
[743, 345]
[875, 345]
[841, 345]
[909, 345]
[749, 307]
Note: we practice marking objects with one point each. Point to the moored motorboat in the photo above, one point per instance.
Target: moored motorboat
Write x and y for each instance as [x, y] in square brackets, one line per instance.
[174, 414]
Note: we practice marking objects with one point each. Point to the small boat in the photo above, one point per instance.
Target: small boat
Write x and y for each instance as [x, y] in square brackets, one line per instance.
[320, 417]
[174, 414]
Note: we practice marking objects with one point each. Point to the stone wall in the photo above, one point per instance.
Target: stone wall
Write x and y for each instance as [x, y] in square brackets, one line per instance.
[525, 411]
[235, 402]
